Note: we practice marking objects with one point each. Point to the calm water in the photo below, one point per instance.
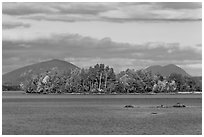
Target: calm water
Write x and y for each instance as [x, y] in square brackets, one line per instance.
[189, 100]
[99, 114]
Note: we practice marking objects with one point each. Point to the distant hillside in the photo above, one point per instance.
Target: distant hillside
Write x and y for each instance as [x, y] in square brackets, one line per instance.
[25, 73]
[198, 80]
[167, 70]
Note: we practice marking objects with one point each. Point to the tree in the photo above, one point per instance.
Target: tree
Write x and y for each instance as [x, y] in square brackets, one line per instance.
[179, 80]
[102, 79]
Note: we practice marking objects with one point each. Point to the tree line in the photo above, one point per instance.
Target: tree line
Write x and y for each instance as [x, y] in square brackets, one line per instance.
[101, 79]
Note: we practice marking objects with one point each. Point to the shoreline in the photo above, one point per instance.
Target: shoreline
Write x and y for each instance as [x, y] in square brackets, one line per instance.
[20, 94]
[178, 93]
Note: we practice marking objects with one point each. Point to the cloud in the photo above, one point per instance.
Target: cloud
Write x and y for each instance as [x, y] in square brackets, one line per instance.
[151, 12]
[23, 8]
[36, 44]
[80, 46]
[63, 18]
[110, 12]
[85, 51]
[181, 5]
[18, 9]
[12, 25]
[92, 8]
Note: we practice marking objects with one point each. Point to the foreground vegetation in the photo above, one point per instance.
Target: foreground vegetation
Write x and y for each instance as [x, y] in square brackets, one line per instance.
[101, 79]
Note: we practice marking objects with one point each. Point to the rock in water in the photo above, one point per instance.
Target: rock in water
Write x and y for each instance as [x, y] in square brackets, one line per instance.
[129, 106]
[179, 105]
[153, 113]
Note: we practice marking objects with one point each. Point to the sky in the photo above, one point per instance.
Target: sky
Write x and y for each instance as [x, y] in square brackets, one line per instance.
[122, 35]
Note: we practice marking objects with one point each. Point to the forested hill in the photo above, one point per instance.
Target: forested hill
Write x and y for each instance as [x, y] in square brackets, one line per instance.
[167, 70]
[25, 73]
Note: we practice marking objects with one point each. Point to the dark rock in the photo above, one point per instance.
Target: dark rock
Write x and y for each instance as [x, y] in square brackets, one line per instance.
[154, 113]
[179, 105]
[129, 106]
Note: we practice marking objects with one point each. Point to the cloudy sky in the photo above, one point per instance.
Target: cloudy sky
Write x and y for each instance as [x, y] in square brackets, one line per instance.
[121, 35]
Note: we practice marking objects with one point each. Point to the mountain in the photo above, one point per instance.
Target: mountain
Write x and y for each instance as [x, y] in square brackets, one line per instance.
[167, 70]
[25, 73]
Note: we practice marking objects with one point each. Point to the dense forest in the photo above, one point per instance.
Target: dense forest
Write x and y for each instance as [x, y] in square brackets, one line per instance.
[102, 79]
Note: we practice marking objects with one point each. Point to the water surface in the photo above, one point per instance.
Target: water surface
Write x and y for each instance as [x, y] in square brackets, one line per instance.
[100, 114]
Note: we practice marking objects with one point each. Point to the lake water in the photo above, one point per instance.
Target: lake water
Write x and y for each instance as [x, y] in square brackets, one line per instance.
[100, 114]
